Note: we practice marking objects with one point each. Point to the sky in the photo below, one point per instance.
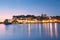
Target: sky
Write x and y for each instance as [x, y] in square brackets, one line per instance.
[8, 8]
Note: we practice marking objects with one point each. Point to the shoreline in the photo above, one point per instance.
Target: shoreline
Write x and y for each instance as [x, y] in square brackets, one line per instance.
[30, 22]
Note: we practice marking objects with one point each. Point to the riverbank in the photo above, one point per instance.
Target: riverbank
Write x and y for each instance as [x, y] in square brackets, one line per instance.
[31, 21]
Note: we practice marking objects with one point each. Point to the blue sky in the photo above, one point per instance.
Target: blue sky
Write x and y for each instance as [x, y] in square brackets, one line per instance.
[8, 8]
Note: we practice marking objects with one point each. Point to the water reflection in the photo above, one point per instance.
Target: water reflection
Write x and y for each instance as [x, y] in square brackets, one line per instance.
[51, 32]
[29, 31]
[46, 28]
[2, 30]
[56, 30]
[39, 29]
[49, 28]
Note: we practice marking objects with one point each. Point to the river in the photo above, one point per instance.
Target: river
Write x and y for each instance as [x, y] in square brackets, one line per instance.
[42, 31]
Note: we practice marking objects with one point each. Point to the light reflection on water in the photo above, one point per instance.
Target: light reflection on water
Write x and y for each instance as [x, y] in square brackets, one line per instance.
[51, 31]
[56, 29]
[43, 31]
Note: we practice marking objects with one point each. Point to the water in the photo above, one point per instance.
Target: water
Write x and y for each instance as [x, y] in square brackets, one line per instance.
[43, 31]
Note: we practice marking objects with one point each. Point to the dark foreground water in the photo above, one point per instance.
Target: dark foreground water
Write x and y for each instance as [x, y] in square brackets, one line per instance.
[43, 31]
